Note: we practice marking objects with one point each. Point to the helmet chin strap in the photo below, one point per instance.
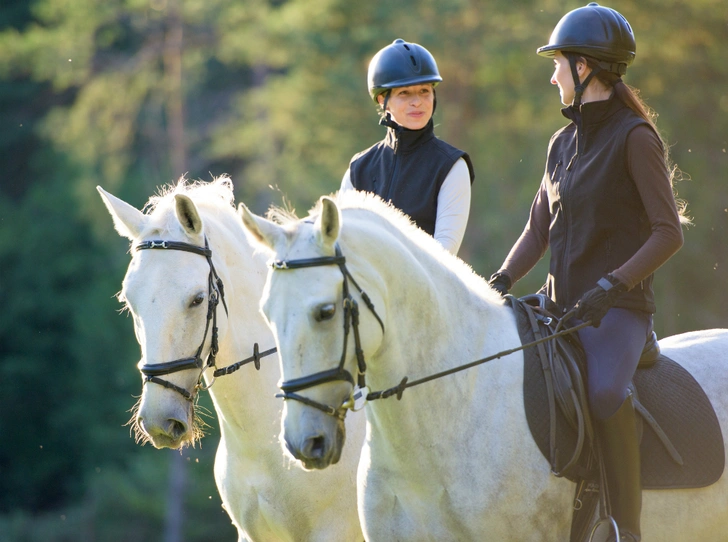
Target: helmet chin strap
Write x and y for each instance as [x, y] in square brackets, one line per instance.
[580, 87]
[386, 120]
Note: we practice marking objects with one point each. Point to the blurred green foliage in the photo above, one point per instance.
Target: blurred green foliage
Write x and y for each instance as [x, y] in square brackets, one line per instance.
[132, 94]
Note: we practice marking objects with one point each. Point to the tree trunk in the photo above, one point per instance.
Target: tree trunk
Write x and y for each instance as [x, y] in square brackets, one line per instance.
[174, 517]
[175, 99]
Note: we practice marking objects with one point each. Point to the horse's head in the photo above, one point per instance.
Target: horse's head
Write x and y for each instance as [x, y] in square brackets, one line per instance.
[310, 302]
[171, 291]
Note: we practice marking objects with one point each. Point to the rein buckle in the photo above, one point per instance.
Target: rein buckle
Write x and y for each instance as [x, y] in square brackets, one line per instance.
[357, 399]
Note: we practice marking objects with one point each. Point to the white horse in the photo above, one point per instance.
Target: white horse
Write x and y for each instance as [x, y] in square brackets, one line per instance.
[167, 293]
[452, 460]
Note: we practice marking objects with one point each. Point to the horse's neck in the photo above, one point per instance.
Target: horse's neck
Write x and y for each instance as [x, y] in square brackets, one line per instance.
[244, 399]
[435, 322]
[451, 328]
[439, 319]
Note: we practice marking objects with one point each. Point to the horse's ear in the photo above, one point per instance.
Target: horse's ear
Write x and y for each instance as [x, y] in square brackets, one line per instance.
[128, 220]
[328, 222]
[259, 230]
[187, 214]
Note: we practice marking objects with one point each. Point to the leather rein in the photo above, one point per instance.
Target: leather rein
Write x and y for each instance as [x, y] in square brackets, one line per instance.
[361, 394]
[216, 293]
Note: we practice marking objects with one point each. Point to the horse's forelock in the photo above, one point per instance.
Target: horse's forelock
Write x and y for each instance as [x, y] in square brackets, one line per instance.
[216, 195]
[281, 215]
[220, 189]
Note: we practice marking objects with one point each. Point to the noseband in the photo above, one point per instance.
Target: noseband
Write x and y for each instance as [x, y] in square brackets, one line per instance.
[153, 371]
[351, 320]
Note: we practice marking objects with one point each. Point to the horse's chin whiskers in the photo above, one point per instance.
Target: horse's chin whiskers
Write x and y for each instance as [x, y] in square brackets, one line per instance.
[135, 429]
[170, 414]
[198, 424]
[200, 410]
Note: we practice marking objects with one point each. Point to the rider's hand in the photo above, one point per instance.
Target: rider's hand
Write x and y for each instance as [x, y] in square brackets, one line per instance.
[500, 282]
[595, 303]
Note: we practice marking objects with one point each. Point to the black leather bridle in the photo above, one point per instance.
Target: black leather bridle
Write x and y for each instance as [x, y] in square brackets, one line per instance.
[216, 293]
[361, 394]
[351, 321]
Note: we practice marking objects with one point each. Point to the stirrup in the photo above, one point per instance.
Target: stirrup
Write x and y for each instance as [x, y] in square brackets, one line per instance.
[612, 523]
[619, 537]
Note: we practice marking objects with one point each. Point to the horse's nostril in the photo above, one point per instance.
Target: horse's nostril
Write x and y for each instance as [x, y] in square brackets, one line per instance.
[315, 447]
[176, 429]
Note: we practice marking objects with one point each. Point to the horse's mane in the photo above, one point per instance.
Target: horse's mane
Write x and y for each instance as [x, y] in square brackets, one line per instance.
[399, 224]
[214, 196]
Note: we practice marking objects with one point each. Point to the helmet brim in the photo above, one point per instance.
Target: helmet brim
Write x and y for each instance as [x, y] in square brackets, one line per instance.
[600, 53]
[548, 50]
[408, 82]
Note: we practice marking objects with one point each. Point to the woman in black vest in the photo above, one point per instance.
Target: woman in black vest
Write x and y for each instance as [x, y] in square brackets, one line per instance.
[607, 211]
[423, 176]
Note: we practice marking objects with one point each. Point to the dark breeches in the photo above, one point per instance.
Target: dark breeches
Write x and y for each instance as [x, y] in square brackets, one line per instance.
[612, 353]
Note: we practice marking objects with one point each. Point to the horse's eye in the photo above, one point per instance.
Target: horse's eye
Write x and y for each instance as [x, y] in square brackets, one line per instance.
[199, 298]
[325, 312]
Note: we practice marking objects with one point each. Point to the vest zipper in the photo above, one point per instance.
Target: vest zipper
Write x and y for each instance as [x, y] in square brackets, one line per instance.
[556, 170]
[566, 246]
[388, 189]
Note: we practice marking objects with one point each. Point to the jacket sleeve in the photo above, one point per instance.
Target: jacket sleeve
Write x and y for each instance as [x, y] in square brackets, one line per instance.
[533, 242]
[646, 163]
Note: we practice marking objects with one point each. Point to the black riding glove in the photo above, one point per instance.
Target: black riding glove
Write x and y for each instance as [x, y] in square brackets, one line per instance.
[595, 303]
[500, 282]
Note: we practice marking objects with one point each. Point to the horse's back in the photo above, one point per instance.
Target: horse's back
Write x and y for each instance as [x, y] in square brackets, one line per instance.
[716, 339]
[694, 514]
[704, 354]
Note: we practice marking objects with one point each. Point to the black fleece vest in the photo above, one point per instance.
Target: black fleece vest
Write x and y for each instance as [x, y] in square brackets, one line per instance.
[598, 220]
[408, 168]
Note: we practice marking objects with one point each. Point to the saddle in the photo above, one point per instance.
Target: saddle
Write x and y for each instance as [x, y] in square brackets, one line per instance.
[681, 440]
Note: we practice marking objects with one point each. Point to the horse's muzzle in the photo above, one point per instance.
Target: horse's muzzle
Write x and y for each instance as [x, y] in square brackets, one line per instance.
[317, 451]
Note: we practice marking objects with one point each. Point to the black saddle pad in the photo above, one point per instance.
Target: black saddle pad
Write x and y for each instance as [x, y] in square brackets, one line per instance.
[678, 403]
[674, 399]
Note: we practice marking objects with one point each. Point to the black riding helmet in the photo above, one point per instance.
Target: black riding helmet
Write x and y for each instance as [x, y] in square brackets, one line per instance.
[596, 31]
[401, 64]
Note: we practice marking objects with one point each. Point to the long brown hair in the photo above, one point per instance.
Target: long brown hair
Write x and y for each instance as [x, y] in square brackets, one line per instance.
[630, 96]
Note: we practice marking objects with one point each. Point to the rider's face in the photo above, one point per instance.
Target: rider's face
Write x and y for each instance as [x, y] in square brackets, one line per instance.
[563, 78]
[411, 107]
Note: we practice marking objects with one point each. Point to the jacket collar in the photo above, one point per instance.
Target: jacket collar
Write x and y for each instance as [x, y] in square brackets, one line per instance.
[403, 140]
[592, 113]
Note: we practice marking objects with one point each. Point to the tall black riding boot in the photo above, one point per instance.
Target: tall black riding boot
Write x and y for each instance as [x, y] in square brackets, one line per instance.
[621, 454]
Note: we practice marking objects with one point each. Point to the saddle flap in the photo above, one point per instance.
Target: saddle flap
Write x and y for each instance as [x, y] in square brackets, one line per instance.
[553, 376]
[672, 399]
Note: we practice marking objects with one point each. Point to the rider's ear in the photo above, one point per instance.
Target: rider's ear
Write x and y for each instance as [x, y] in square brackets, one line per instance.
[259, 230]
[328, 223]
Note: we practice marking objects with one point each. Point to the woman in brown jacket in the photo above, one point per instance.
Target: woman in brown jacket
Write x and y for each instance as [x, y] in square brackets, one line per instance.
[607, 211]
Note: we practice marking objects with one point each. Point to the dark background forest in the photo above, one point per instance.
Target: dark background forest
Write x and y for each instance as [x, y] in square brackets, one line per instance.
[132, 94]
